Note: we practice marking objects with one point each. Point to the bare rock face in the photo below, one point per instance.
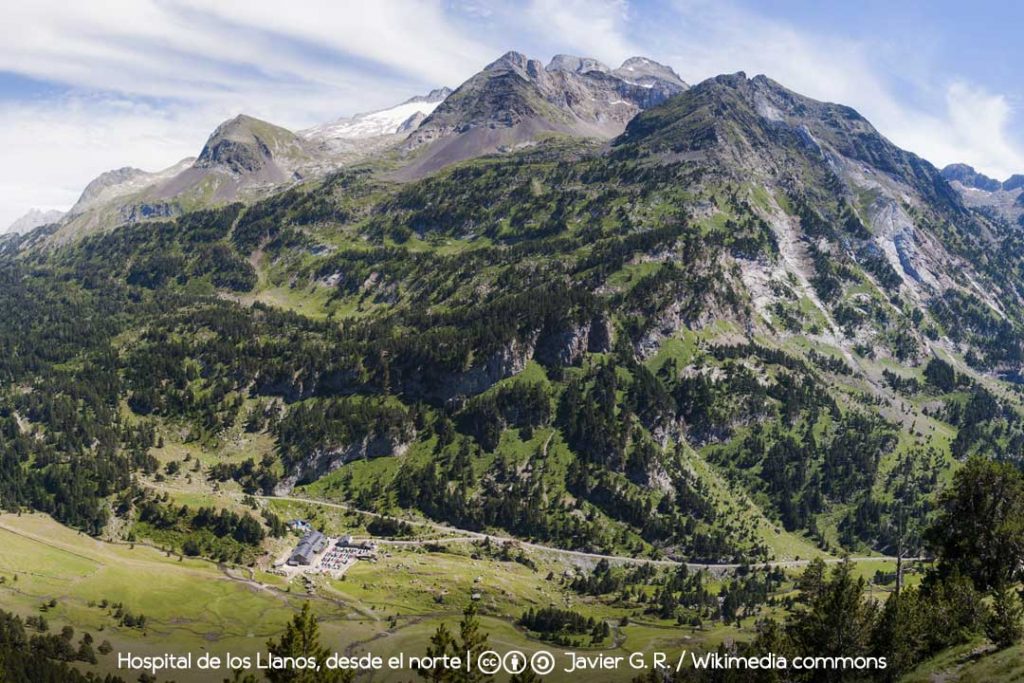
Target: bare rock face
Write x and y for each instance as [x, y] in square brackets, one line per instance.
[320, 463]
[566, 347]
[502, 364]
[580, 65]
[563, 348]
[245, 145]
[1004, 199]
[105, 180]
[657, 82]
[134, 213]
[648, 72]
[236, 155]
[411, 123]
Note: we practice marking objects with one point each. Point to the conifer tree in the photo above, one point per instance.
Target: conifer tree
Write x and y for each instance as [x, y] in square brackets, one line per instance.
[301, 638]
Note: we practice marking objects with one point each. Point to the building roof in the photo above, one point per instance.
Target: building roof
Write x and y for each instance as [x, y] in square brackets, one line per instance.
[312, 542]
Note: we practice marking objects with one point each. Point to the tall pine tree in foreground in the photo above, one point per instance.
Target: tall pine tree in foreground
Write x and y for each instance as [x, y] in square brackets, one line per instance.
[472, 639]
[301, 638]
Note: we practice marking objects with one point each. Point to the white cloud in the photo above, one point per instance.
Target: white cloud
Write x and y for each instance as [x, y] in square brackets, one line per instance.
[238, 52]
[977, 131]
[51, 152]
[590, 28]
[414, 37]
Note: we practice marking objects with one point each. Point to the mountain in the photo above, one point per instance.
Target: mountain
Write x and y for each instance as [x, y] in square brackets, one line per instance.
[754, 131]
[244, 155]
[110, 184]
[650, 74]
[741, 325]
[33, 219]
[244, 158]
[968, 177]
[1001, 200]
[580, 65]
[511, 102]
[515, 101]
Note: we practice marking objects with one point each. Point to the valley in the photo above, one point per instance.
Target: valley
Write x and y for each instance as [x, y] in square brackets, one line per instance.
[610, 362]
[385, 608]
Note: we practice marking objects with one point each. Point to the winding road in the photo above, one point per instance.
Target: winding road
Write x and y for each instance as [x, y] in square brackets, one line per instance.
[467, 536]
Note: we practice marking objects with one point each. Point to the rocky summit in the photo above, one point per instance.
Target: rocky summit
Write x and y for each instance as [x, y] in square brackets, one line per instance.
[515, 101]
[1001, 201]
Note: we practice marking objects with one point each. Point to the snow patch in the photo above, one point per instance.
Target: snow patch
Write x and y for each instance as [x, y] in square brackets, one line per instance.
[383, 122]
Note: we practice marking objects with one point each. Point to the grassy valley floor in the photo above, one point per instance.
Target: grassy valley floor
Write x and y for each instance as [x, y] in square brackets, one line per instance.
[386, 607]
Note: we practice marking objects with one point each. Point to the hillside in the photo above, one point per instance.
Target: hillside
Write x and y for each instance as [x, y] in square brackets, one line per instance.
[747, 279]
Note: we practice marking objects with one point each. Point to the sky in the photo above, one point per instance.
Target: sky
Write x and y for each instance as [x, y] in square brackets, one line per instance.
[86, 87]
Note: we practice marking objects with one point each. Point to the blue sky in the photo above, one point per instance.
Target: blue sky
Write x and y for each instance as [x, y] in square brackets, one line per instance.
[86, 87]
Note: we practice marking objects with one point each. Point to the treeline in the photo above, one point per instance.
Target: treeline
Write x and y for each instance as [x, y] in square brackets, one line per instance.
[320, 426]
[41, 657]
[519, 405]
[222, 534]
[558, 625]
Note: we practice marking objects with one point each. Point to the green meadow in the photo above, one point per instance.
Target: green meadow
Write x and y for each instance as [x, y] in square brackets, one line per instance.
[385, 607]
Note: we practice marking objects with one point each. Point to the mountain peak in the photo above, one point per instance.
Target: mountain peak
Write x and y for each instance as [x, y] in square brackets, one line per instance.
[734, 80]
[513, 59]
[515, 100]
[968, 177]
[645, 71]
[757, 124]
[244, 127]
[106, 183]
[33, 219]
[432, 97]
[246, 144]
